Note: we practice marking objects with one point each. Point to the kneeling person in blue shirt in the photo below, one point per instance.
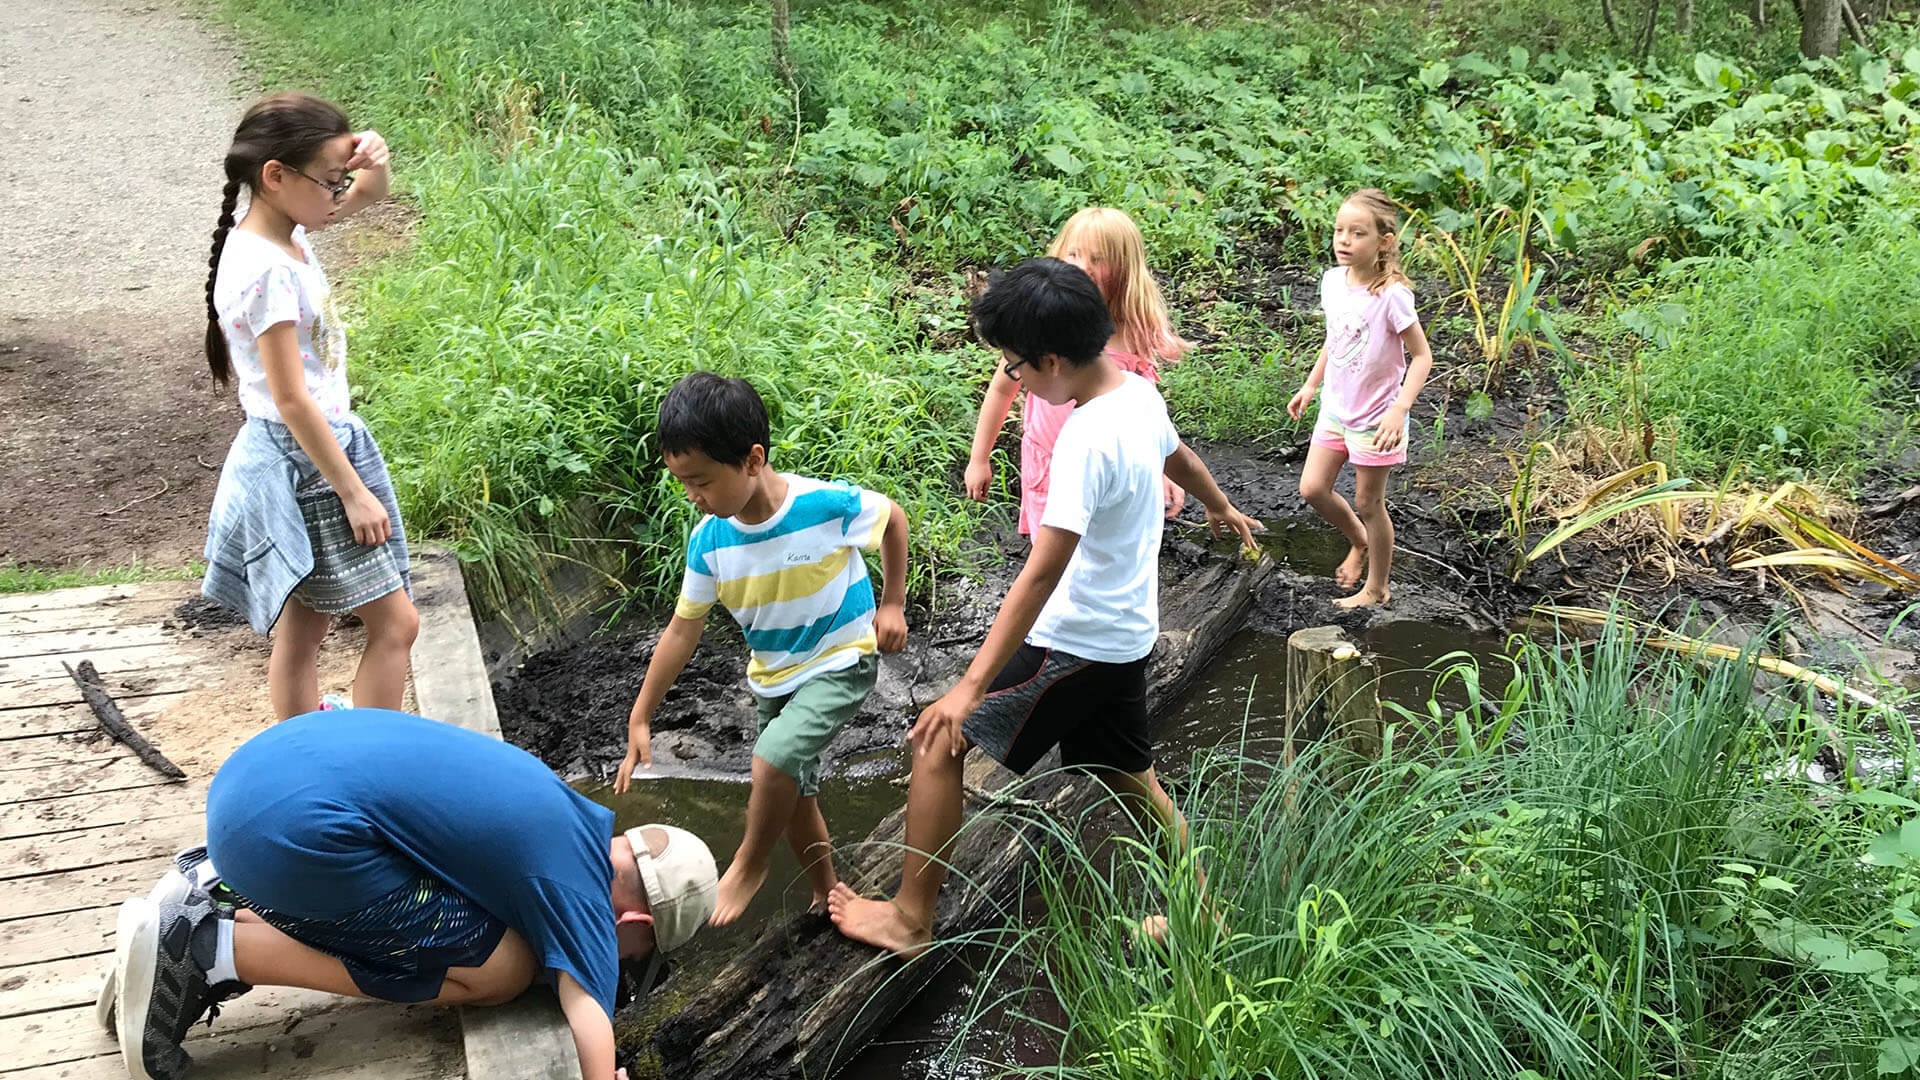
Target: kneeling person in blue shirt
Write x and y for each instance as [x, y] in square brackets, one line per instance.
[381, 855]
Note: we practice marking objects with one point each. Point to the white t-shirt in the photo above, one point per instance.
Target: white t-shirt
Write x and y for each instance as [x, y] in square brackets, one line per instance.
[1104, 485]
[259, 286]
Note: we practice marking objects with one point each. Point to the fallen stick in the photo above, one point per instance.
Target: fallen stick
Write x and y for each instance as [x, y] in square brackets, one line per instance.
[111, 718]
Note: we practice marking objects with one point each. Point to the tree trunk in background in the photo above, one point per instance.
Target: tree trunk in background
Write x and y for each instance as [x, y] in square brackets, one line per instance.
[1683, 21]
[1819, 28]
[1758, 12]
[782, 63]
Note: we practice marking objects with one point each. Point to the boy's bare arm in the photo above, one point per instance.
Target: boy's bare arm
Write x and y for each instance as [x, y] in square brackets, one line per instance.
[592, 1029]
[670, 656]
[1185, 468]
[1052, 548]
[890, 622]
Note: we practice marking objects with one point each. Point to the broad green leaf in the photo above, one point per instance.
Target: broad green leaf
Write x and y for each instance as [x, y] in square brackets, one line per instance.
[1517, 58]
[1435, 75]
[1876, 797]
[1706, 67]
[1856, 962]
[1898, 1054]
[1873, 74]
[1479, 406]
[1062, 158]
[1897, 845]
[1775, 884]
[1911, 60]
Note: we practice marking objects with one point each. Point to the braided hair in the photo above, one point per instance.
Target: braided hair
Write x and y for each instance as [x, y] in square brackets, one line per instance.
[288, 128]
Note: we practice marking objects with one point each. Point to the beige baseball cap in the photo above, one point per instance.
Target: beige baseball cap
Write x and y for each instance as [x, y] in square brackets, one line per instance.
[681, 882]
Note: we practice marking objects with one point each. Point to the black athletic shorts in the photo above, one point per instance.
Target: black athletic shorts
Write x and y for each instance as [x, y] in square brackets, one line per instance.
[1095, 712]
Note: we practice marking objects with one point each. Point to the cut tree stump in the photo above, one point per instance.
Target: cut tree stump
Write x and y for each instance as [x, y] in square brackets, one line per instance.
[802, 1000]
[1333, 692]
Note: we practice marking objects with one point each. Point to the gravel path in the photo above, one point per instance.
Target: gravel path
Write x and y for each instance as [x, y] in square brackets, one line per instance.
[114, 116]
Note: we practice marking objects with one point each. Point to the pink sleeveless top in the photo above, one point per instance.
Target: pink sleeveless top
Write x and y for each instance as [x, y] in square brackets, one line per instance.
[1040, 424]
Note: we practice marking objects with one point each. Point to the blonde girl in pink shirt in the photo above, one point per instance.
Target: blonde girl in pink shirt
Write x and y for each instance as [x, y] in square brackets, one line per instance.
[1106, 244]
[1368, 387]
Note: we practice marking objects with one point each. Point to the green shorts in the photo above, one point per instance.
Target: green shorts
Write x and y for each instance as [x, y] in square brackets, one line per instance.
[795, 729]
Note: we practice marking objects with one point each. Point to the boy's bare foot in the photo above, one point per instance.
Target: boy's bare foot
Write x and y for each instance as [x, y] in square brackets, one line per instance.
[1349, 572]
[1365, 598]
[879, 923]
[1153, 928]
[737, 887]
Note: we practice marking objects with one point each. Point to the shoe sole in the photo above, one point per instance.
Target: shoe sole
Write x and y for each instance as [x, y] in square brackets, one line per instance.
[104, 1005]
[136, 948]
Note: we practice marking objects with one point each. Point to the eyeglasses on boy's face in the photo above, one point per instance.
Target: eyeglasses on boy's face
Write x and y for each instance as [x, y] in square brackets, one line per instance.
[338, 191]
[1014, 364]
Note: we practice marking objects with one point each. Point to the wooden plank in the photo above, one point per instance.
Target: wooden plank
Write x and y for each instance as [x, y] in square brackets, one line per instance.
[361, 1041]
[449, 673]
[78, 890]
[101, 845]
[69, 934]
[128, 613]
[48, 691]
[527, 1039]
[57, 751]
[56, 984]
[17, 644]
[121, 774]
[35, 721]
[105, 808]
[170, 654]
[71, 1033]
[83, 596]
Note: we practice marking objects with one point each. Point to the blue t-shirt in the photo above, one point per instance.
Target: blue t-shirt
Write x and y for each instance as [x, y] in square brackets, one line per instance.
[327, 813]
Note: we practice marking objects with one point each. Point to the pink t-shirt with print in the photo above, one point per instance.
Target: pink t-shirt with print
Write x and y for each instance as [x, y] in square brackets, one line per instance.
[1365, 360]
[1040, 423]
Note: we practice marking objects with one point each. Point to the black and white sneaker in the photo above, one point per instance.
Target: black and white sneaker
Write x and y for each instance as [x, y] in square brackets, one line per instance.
[191, 870]
[162, 951]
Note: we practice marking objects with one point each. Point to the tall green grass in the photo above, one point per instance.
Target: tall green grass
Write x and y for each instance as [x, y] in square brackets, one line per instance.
[614, 193]
[1612, 871]
[1786, 363]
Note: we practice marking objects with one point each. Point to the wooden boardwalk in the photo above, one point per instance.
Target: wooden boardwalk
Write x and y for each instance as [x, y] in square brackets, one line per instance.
[83, 825]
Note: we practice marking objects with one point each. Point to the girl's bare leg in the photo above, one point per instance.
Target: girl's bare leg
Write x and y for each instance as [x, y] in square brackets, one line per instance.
[392, 623]
[1316, 486]
[1370, 492]
[293, 669]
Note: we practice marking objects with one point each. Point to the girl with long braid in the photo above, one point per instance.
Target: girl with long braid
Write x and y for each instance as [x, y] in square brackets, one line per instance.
[304, 524]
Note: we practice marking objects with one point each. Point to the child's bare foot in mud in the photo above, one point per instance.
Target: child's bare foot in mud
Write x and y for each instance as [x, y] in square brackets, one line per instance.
[1348, 573]
[737, 887]
[1365, 598]
[880, 923]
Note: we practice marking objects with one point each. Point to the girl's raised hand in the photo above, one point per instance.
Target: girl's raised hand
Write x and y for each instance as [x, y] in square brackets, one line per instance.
[1297, 404]
[369, 151]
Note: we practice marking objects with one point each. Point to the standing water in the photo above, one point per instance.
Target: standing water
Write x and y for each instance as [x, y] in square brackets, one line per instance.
[1240, 696]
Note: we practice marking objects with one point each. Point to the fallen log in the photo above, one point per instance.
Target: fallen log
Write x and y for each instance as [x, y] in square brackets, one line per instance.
[114, 721]
[802, 1001]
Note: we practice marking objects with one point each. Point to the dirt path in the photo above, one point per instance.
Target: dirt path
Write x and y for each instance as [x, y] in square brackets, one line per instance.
[115, 116]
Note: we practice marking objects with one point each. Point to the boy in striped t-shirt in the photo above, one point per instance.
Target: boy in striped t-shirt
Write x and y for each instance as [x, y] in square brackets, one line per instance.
[782, 553]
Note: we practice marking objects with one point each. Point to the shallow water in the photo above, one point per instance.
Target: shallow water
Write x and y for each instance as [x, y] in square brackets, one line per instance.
[1240, 695]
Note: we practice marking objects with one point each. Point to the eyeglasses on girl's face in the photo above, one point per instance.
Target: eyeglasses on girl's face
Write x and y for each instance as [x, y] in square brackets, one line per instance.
[338, 191]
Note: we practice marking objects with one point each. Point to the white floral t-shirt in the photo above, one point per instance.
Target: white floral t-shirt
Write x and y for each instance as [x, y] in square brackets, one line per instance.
[259, 286]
